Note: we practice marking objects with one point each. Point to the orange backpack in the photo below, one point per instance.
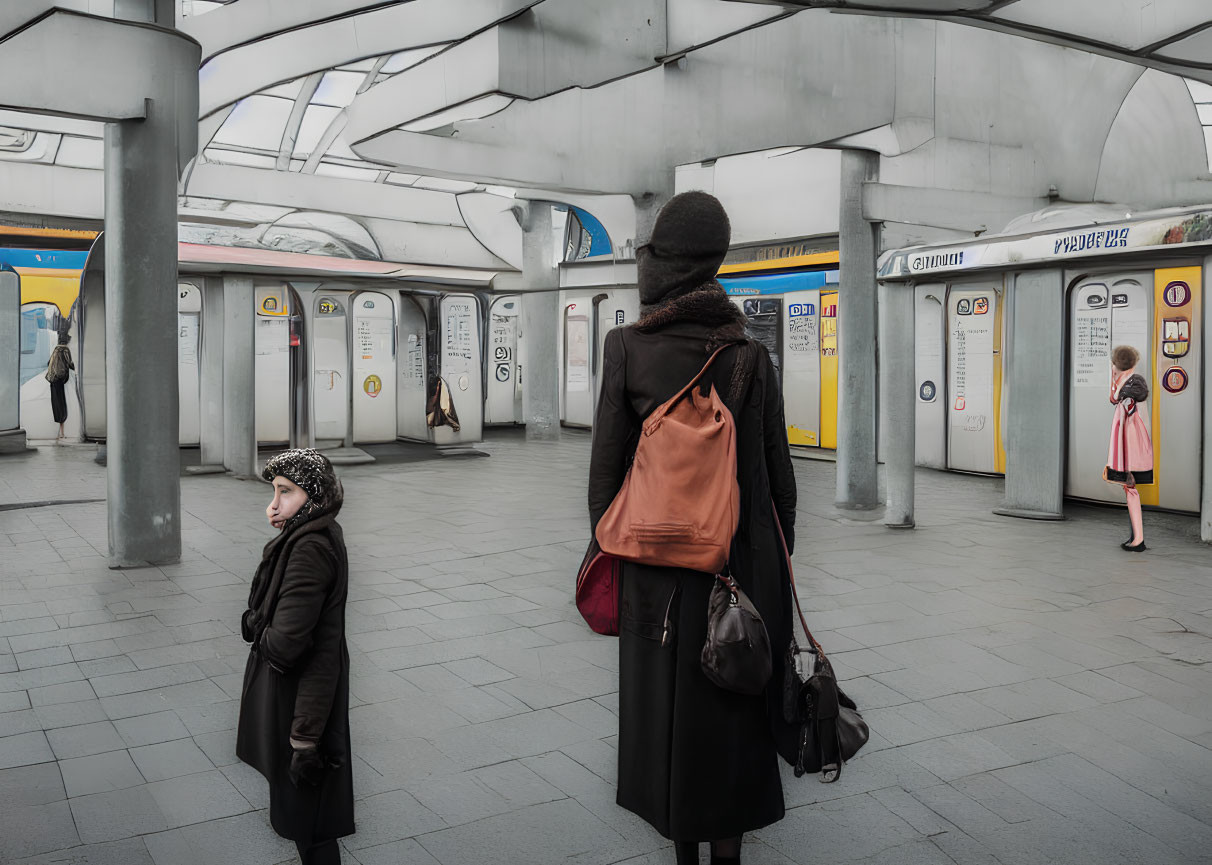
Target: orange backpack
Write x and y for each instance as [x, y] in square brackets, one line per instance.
[680, 503]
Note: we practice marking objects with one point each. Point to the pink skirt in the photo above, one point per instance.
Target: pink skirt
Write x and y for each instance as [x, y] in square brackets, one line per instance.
[1130, 449]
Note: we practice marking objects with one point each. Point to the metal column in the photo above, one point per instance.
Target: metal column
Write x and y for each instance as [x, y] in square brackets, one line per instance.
[239, 377]
[144, 488]
[857, 481]
[898, 401]
[540, 325]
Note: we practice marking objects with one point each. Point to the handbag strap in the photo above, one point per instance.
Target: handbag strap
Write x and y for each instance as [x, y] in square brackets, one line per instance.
[820, 653]
[661, 411]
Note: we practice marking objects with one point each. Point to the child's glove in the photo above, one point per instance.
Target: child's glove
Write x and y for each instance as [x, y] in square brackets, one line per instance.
[306, 767]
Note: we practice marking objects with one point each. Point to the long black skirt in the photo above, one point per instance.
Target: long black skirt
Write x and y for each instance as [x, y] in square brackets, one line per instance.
[695, 761]
[59, 401]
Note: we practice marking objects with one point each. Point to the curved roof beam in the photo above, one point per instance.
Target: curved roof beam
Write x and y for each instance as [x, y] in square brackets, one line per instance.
[550, 47]
[253, 66]
[250, 20]
[1138, 31]
[843, 75]
[623, 136]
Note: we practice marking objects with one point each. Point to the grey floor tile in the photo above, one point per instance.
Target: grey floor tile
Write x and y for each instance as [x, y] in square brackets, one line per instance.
[246, 839]
[170, 759]
[100, 773]
[150, 729]
[24, 749]
[84, 740]
[132, 851]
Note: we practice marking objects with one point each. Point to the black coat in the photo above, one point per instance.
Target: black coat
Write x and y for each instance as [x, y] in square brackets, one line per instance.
[697, 762]
[296, 622]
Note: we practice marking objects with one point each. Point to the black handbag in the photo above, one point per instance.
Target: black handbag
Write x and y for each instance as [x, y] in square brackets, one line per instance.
[736, 654]
[830, 728]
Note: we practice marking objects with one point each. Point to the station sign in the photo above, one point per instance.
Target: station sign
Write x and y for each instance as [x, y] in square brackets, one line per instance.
[1174, 229]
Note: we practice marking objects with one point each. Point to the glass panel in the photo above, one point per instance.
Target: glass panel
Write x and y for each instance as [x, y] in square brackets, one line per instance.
[397, 179]
[361, 66]
[256, 122]
[337, 88]
[75, 152]
[194, 8]
[289, 90]
[1200, 92]
[1205, 114]
[315, 121]
[341, 149]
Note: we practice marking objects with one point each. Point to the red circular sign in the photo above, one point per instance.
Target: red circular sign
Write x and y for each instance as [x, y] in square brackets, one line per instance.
[1177, 293]
[1174, 380]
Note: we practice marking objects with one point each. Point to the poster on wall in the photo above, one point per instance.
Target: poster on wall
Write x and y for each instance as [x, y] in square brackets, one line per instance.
[803, 336]
[1092, 339]
[971, 366]
[458, 330]
[577, 360]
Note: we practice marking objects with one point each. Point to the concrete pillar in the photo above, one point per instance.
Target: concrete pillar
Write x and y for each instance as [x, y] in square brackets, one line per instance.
[1205, 509]
[857, 481]
[211, 373]
[239, 377]
[1035, 394]
[12, 436]
[144, 489]
[898, 401]
[540, 325]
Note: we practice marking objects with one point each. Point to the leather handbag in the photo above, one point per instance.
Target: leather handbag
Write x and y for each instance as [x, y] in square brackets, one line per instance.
[598, 590]
[680, 502]
[830, 728]
[736, 654]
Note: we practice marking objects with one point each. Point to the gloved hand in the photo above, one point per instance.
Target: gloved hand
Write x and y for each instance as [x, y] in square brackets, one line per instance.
[246, 626]
[307, 767]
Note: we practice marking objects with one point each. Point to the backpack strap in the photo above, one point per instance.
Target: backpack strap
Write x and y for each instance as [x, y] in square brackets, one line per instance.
[654, 419]
[820, 653]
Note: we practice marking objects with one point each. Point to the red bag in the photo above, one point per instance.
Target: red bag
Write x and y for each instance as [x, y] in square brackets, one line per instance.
[598, 591]
[680, 502]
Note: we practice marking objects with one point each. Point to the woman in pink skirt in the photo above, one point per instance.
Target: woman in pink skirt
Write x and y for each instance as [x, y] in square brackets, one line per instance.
[1130, 455]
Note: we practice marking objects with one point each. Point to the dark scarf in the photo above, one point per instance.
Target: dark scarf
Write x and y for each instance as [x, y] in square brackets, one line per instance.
[280, 544]
[706, 305]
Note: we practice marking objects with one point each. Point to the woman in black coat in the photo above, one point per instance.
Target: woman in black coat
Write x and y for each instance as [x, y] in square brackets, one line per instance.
[294, 710]
[697, 762]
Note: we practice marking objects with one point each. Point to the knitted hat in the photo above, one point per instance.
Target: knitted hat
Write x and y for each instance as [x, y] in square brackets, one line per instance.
[687, 247]
[311, 471]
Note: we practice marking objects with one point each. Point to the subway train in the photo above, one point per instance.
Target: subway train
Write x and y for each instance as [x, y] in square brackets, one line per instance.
[1120, 279]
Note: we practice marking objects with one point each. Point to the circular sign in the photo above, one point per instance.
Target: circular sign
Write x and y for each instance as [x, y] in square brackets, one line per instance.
[502, 372]
[928, 391]
[1177, 293]
[372, 385]
[1174, 380]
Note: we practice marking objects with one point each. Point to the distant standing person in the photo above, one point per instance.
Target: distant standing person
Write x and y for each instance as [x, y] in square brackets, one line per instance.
[1130, 453]
[57, 370]
[294, 708]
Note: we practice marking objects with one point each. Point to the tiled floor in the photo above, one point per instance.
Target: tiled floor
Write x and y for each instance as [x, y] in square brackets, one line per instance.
[1035, 694]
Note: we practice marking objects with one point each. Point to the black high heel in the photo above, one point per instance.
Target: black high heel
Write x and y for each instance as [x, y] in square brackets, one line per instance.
[1138, 548]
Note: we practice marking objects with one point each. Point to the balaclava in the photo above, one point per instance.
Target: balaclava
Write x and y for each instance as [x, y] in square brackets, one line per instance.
[687, 247]
[313, 473]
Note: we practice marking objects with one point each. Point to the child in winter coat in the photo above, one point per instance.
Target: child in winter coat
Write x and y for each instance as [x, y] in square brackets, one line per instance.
[1130, 453]
[294, 709]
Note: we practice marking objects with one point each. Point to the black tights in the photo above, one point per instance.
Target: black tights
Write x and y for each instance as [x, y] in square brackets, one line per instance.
[323, 853]
[724, 852]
